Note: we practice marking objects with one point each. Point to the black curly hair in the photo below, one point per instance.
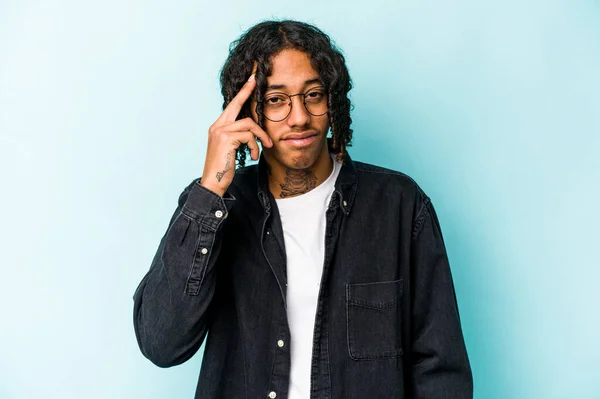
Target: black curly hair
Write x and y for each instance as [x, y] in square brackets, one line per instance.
[265, 40]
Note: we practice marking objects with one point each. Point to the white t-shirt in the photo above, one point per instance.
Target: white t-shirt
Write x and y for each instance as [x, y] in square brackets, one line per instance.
[303, 221]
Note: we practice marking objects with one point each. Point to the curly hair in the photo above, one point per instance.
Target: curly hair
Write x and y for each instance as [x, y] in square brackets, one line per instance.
[267, 39]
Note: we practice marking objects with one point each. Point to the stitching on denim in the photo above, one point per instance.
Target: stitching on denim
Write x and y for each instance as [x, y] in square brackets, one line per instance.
[189, 213]
[348, 323]
[317, 329]
[198, 217]
[162, 253]
[381, 172]
[351, 343]
[397, 281]
[205, 258]
[391, 355]
[321, 315]
[185, 212]
[353, 195]
[420, 218]
[186, 291]
[361, 304]
[209, 223]
[319, 321]
[269, 387]
[185, 233]
[384, 171]
[329, 363]
[373, 304]
[212, 239]
[167, 234]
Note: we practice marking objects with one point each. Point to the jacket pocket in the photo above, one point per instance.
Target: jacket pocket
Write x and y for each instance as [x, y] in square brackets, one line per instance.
[373, 320]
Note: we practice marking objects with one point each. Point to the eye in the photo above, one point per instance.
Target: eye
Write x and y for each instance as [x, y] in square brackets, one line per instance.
[315, 95]
[275, 100]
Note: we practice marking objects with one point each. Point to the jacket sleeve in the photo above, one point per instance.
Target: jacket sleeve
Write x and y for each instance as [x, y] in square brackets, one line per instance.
[439, 362]
[172, 302]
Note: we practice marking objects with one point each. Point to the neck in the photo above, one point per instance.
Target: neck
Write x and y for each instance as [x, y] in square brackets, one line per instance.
[287, 182]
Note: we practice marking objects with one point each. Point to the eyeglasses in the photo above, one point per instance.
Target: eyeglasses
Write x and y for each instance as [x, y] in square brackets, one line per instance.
[278, 106]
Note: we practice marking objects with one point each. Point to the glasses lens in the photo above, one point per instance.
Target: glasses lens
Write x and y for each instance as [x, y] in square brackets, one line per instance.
[276, 106]
[316, 102]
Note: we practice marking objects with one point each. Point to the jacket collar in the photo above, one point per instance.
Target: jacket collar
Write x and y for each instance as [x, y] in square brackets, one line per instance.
[344, 191]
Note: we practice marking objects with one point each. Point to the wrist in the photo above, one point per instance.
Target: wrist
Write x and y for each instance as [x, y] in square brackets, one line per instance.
[215, 189]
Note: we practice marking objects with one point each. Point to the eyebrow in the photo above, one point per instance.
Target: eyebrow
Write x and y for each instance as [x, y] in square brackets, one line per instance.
[306, 83]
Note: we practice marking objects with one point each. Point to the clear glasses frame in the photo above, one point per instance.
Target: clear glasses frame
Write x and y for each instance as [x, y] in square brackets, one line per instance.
[319, 89]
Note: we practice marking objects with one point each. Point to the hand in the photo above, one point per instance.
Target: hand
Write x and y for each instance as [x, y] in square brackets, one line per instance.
[224, 138]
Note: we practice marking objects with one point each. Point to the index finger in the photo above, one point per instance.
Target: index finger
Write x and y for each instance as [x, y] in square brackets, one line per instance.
[234, 107]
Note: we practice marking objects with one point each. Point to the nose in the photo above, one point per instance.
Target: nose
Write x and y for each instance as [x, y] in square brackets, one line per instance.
[298, 115]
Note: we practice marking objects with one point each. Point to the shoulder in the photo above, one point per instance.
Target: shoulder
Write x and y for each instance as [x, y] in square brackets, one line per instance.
[385, 178]
[389, 186]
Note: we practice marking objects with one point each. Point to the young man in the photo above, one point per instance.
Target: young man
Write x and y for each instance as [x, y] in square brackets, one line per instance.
[310, 275]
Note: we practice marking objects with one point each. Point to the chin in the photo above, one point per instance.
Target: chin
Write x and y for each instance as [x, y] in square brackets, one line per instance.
[303, 161]
[295, 159]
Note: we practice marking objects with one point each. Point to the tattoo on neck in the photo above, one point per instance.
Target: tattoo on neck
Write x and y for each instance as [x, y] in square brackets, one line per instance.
[227, 168]
[297, 182]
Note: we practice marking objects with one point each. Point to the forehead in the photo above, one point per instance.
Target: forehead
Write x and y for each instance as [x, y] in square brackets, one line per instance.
[291, 69]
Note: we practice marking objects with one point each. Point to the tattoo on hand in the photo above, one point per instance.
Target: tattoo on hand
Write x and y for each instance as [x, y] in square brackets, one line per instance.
[297, 182]
[220, 175]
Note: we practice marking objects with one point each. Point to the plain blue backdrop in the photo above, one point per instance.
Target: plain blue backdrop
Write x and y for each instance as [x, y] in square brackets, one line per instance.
[492, 106]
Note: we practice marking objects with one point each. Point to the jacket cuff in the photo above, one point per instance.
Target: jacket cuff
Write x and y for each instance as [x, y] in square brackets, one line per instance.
[206, 206]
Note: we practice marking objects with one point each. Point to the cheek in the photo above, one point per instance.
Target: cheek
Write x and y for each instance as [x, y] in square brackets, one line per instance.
[324, 123]
[271, 129]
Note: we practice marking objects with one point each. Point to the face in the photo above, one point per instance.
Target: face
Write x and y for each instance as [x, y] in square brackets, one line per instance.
[301, 138]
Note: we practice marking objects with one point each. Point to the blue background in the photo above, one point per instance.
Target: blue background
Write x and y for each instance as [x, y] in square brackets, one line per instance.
[492, 106]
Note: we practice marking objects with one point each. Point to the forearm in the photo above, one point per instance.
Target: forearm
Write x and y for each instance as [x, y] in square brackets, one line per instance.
[172, 302]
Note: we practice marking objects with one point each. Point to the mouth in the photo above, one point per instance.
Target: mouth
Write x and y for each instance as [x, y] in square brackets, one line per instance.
[300, 140]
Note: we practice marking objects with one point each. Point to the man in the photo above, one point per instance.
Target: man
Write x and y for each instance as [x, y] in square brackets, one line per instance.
[309, 274]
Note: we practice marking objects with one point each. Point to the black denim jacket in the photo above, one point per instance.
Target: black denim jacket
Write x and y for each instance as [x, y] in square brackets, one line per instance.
[387, 323]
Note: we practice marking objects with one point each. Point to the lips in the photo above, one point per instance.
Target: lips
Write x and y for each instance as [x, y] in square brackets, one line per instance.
[299, 136]
[300, 139]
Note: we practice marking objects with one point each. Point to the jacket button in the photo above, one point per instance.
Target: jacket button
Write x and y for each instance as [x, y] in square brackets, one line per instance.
[219, 214]
[345, 203]
[204, 251]
[272, 395]
[280, 343]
